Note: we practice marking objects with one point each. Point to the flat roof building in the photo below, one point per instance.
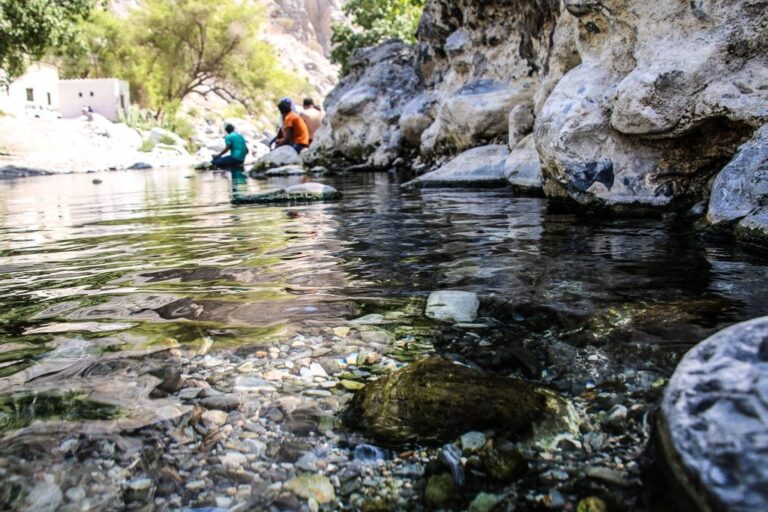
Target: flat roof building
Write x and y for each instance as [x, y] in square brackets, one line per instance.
[109, 97]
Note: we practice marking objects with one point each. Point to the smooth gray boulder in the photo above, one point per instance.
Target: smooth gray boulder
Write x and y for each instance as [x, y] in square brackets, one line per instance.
[452, 306]
[523, 168]
[280, 157]
[305, 192]
[483, 166]
[478, 113]
[714, 426]
[417, 116]
[740, 191]
[753, 229]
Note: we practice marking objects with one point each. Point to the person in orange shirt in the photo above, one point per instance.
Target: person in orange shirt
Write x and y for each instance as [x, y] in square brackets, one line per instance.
[294, 131]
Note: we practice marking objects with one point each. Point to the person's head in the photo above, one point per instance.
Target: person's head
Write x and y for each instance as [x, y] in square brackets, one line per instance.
[308, 103]
[285, 106]
[229, 128]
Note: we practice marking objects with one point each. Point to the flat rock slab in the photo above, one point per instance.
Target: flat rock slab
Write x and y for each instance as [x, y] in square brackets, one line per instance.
[714, 429]
[305, 192]
[12, 172]
[436, 400]
[287, 170]
[453, 306]
[479, 167]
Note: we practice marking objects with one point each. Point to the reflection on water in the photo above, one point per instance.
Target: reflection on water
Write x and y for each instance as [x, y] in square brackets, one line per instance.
[164, 255]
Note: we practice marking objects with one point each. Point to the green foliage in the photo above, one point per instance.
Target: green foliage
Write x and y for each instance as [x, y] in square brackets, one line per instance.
[374, 21]
[29, 28]
[170, 49]
[146, 146]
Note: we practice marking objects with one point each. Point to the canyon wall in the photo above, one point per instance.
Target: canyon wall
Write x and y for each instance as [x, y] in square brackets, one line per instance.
[621, 105]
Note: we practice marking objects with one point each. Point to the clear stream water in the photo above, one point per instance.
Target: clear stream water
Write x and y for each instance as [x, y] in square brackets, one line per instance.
[161, 258]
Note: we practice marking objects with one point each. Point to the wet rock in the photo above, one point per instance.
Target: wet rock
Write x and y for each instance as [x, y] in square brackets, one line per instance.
[472, 442]
[280, 157]
[483, 166]
[616, 418]
[312, 486]
[287, 170]
[450, 456]
[591, 504]
[436, 400]
[484, 502]
[503, 462]
[213, 418]
[44, 497]
[296, 193]
[714, 427]
[440, 492]
[417, 116]
[138, 490]
[233, 460]
[522, 168]
[227, 402]
[75, 494]
[741, 188]
[170, 377]
[452, 306]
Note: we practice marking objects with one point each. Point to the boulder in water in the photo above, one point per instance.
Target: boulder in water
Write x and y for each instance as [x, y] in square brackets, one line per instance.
[435, 400]
[304, 192]
[714, 426]
[478, 167]
[280, 157]
[287, 170]
[523, 168]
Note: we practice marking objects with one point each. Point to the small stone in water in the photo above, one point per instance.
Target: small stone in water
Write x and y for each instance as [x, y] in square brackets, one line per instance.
[44, 497]
[312, 486]
[233, 460]
[341, 332]
[472, 441]
[214, 418]
[351, 385]
[484, 502]
[440, 492]
[591, 504]
[75, 494]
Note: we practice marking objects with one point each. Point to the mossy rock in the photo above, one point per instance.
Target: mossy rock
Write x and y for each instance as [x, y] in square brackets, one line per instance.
[503, 462]
[305, 192]
[435, 400]
[441, 492]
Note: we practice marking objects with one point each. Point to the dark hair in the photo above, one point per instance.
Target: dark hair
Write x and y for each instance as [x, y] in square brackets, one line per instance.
[229, 128]
[308, 102]
[284, 107]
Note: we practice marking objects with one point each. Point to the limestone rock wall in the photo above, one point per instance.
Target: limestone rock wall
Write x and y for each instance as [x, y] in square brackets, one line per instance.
[633, 104]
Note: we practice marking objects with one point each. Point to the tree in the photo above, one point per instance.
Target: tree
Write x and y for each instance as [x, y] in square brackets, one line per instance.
[169, 49]
[29, 28]
[374, 21]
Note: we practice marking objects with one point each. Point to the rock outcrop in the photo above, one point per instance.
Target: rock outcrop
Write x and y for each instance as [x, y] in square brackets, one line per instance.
[714, 430]
[739, 197]
[362, 113]
[619, 119]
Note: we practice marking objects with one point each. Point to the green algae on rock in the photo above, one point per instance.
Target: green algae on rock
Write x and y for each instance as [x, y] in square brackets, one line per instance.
[435, 400]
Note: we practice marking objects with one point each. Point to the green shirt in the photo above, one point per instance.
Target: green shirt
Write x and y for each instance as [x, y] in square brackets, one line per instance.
[237, 146]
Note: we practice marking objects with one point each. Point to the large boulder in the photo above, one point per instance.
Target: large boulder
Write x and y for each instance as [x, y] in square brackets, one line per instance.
[363, 112]
[740, 191]
[478, 113]
[435, 400]
[280, 157]
[636, 125]
[714, 427]
[483, 167]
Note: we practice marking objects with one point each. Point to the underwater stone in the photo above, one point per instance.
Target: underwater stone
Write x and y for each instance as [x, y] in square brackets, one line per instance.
[440, 492]
[435, 400]
[312, 486]
[453, 306]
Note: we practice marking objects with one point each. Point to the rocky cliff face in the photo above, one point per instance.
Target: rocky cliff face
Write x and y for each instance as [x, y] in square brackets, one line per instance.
[632, 105]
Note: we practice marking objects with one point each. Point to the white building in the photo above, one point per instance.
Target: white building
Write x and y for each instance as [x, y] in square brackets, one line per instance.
[34, 94]
[109, 97]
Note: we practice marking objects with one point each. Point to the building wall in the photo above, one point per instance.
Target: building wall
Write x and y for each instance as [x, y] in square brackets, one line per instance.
[36, 93]
[109, 97]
